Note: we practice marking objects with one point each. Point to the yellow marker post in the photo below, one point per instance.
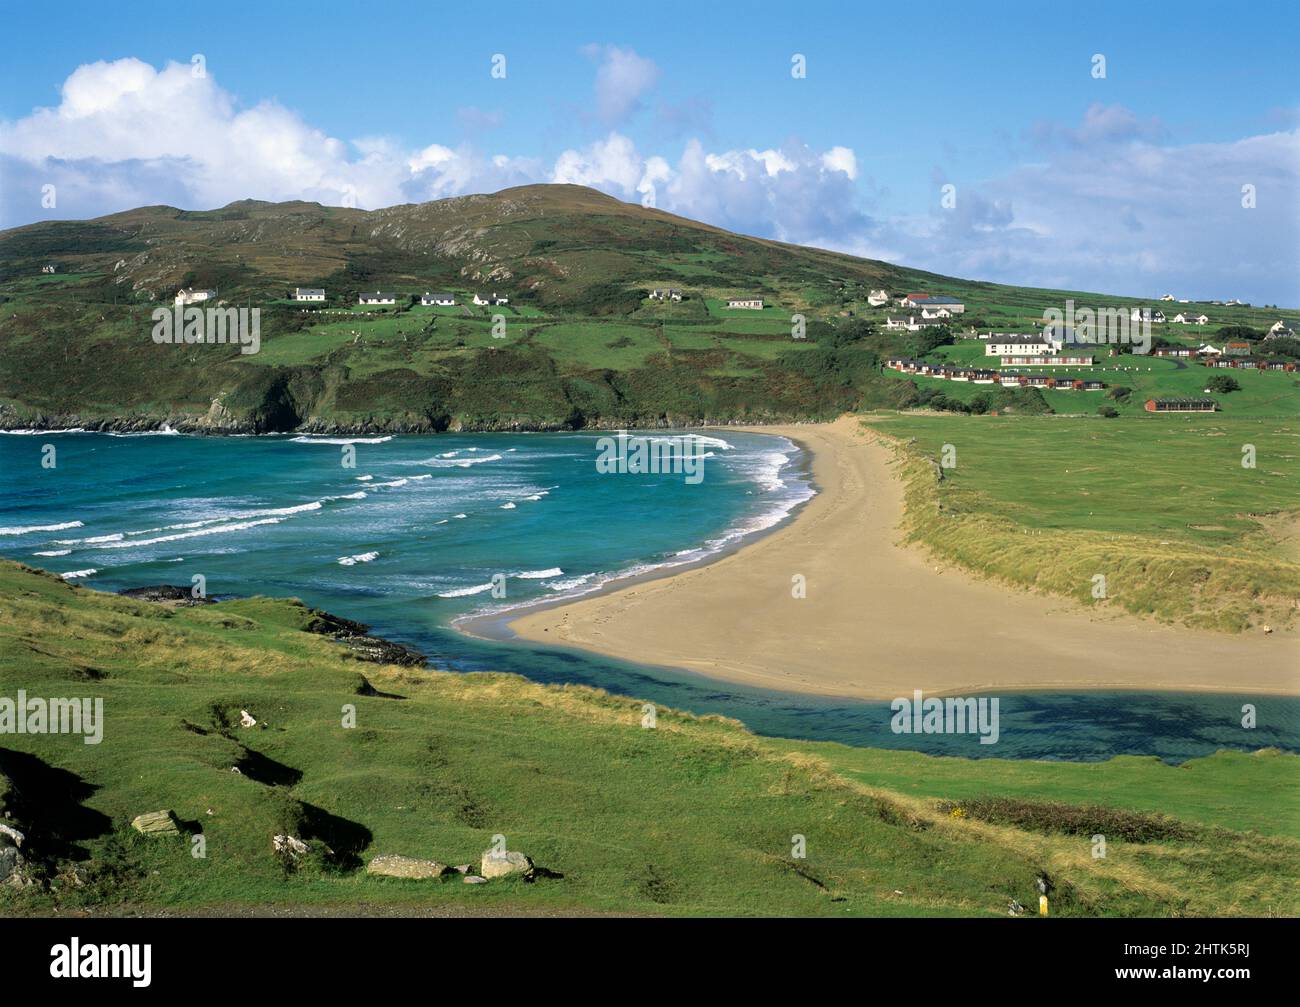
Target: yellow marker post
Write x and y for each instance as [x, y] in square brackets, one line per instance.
[1042, 905]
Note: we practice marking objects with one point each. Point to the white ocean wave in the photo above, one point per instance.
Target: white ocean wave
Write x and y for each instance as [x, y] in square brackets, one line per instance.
[219, 530]
[554, 571]
[361, 557]
[339, 440]
[33, 433]
[53, 552]
[448, 460]
[31, 528]
[568, 584]
[166, 431]
[464, 592]
[77, 574]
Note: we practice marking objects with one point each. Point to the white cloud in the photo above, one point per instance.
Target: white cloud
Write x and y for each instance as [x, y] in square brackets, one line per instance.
[1109, 205]
[1123, 217]
[125, 134]
[622, 79]
[793, 194]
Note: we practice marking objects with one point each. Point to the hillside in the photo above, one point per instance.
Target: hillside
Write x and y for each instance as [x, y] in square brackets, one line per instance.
[582, 345]
[695, 816]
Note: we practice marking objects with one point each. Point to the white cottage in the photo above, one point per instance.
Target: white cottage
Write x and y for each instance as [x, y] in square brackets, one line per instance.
[188, 295]
[1002, 344]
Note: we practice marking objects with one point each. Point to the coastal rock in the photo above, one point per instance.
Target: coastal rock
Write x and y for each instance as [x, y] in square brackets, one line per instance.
[167, 594]
[156, 823]
[12, 862]
[499, 865]
[246, 719]
[290, 846]
[391, 865]
[474, 879]
[355, 636]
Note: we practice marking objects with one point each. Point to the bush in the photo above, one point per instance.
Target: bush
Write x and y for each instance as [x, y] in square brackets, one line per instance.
[1119, 393]
[1110, 412]
[1073, 820]
[1222, 383]
[1233, 332]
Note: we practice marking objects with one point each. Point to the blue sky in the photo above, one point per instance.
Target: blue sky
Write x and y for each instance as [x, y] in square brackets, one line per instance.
[1129, 184]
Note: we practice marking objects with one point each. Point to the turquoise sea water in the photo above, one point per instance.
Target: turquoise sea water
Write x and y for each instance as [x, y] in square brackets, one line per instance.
[413, 536]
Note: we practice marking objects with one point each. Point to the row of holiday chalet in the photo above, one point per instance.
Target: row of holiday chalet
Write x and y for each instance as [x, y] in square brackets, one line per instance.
[990, 376]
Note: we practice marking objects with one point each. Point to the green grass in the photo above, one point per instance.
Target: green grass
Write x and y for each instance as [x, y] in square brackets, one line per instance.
[1161, 504]
[694, 817]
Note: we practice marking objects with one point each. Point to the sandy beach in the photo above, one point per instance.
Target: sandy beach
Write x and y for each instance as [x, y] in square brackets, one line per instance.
[880, 620]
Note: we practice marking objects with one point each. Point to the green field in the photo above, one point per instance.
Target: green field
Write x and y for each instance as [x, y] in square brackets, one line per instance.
[694, 817]
[1161, 504]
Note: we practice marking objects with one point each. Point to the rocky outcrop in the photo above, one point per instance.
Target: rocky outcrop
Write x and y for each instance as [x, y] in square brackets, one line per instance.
[13, 865]
[391, 865]
[156, 823]
[165, 594]
[500, 865]
[356, 637]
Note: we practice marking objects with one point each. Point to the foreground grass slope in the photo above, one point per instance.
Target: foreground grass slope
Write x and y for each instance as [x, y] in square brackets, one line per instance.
[693, 817]
[1160, 505]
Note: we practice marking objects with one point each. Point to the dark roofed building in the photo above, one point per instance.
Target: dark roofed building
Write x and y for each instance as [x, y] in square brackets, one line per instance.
[1181, 405]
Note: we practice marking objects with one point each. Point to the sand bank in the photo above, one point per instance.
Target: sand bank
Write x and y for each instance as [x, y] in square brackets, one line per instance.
[880, 620]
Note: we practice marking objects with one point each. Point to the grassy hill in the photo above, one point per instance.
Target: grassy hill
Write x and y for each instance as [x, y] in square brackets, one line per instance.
[1047, 501]
[695, 816]
[582, 346]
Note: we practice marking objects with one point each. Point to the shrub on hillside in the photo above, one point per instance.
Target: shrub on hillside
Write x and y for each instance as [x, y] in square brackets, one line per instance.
[927, 340]
[1073, 819]
[1285, 347]
[1110, 412]
[1222, 383]
[1231, 332]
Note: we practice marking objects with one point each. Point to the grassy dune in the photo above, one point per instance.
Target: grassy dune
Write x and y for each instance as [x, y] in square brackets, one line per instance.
[1161, 506]
[693, 817]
